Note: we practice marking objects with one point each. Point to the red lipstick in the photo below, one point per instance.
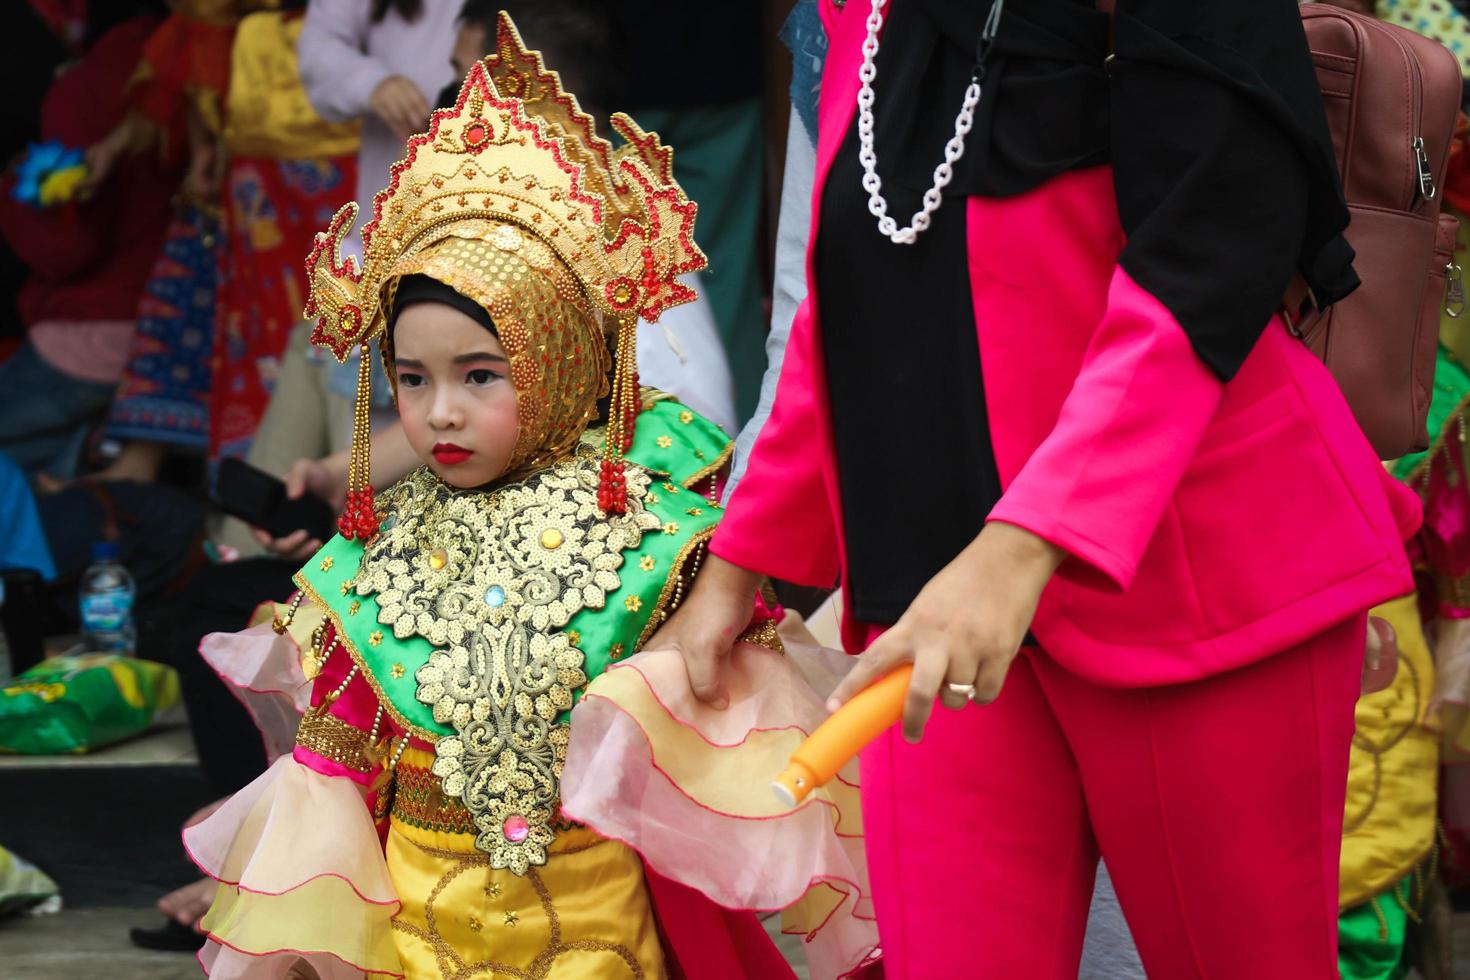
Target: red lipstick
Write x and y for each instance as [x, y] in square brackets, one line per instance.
[449, 454]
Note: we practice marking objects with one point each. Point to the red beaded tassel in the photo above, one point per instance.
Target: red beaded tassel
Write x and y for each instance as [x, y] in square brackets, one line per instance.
[612, 486]
[360, 517]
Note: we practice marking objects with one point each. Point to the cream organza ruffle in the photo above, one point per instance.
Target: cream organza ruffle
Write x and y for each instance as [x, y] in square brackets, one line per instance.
[263, 669]
[688, 786]
[302, 878]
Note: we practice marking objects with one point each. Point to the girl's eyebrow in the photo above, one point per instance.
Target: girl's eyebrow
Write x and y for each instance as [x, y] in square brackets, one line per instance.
[470, 358]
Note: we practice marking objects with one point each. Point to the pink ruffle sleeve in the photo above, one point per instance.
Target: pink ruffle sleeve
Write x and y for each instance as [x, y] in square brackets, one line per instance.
[263, 669]
[689, 788]
[302, 877]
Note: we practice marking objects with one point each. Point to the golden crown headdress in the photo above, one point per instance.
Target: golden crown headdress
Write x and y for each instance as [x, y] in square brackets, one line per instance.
[516, 148]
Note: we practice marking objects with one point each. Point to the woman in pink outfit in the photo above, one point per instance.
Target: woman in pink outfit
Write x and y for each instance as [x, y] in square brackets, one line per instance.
[1062, 455]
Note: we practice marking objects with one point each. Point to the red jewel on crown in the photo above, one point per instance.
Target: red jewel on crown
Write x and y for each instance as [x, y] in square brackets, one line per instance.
[622, 293]
[477, 134]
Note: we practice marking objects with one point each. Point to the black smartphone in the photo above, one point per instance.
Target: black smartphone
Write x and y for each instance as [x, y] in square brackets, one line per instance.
[260, 500]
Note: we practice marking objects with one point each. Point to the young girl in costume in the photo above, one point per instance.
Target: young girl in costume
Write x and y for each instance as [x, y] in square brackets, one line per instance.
[415, 828]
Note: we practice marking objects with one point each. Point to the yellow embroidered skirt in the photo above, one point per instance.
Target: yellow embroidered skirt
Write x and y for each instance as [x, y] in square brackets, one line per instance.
[585, 913]
[1389, 820]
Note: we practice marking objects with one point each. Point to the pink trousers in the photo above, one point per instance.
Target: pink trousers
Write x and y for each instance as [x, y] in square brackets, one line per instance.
[1217, 805]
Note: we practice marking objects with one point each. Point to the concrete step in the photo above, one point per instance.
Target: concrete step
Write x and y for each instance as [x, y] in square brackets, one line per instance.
[105, 825]
[86, 944]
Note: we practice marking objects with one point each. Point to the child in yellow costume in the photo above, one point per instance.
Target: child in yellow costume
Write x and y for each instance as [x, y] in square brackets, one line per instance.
[416, 827]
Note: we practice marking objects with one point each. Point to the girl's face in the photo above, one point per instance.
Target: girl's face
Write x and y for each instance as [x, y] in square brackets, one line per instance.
[457, 404]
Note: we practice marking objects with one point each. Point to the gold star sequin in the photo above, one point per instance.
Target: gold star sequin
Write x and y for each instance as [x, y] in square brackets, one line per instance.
[616, 651]
[396, 671]
[492, 890]
[633, 603]
[672, 487]
[672, 527]
[511, 918]
[475, 924]
[686, 416]
[375, 637]
[694, 512]
[647, 563]
[664, 442]
[326, 564]
[352, 610]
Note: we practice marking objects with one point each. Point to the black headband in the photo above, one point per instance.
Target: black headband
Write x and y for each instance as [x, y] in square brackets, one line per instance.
[423, 289]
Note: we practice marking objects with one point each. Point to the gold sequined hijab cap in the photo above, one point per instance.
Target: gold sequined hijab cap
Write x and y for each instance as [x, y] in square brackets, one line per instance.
[516, 170]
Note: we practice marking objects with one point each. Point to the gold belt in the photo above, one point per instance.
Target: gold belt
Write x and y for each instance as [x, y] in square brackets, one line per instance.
[418, 802]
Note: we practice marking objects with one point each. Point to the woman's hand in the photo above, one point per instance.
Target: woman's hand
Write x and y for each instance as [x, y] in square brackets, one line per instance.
[324, 478]
[1381, 660]
[705, 627]
[399, 103]
[964, 628]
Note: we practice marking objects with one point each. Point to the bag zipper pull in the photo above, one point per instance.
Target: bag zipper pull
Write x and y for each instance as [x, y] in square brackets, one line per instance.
[1426, 178]
[1454, 290]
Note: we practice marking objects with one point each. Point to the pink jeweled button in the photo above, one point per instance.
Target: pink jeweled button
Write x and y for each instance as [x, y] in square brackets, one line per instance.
[516, 828]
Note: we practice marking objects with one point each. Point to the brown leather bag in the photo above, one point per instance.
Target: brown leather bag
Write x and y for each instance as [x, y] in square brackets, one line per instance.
[1392, 97]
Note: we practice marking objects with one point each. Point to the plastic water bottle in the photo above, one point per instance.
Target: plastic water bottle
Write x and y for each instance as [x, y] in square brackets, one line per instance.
[107, 590]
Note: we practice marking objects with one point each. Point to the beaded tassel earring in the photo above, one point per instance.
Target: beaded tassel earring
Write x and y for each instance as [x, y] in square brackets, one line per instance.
[623, 407]
[360, 517]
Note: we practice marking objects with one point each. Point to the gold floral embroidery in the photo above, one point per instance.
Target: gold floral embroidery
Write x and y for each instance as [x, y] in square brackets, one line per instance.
[672, 487]
[664, 442]
[396, 672]
[326, 564]
[346, 586]
[495, 608]
[375, 637]
[354, 608]
[511, 918]
[686, 416]
[647, 563]
[672, 527]
[616, 651]
[632, 603]
[694, 512]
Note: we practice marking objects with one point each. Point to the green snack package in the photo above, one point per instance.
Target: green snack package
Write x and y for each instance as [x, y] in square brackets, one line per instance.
[22, 884]
[75, 704]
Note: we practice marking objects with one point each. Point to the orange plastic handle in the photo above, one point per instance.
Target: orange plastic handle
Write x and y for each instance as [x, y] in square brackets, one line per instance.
[871, 712]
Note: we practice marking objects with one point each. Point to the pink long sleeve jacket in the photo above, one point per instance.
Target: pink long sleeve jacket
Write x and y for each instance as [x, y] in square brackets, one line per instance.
[1209, 524]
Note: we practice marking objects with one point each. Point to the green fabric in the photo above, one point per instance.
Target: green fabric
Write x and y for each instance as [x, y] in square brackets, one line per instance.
[1370, 937]
[603, 634]
[1451, 387]
[719, 154]
[73, 704]
[22, 884]
[697, 446]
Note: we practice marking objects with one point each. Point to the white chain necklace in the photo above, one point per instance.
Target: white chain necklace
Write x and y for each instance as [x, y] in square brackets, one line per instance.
[953, 150]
